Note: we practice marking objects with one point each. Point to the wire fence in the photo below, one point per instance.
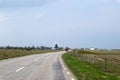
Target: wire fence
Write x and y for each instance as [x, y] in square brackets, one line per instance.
[104, 62]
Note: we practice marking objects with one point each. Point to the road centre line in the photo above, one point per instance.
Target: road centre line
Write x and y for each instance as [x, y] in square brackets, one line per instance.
[19, 69]
[36, 60]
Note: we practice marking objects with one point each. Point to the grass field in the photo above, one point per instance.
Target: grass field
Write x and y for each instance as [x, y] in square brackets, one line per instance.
[5, 54]
[107, 52]
[112, 58]
[83, 68]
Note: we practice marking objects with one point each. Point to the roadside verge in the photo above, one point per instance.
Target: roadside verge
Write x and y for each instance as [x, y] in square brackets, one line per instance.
[82, 71]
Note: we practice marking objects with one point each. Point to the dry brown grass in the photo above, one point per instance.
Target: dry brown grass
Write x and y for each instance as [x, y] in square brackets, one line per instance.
[8, 53]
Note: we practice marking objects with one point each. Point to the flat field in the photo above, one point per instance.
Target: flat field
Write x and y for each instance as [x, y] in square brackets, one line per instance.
[8, 53]
[107, 60]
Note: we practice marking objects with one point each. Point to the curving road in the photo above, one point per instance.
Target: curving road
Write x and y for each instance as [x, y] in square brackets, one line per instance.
[48, 66]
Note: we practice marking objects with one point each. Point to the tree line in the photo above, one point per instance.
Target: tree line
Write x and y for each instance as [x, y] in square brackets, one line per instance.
[27, 47]
[56, 47]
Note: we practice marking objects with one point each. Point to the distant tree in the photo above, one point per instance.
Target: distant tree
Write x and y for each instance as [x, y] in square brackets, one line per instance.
[56, 47]
[33, 47]
[8, 47]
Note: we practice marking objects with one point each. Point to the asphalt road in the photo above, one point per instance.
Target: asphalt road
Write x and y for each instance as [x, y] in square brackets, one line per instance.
[47, 66]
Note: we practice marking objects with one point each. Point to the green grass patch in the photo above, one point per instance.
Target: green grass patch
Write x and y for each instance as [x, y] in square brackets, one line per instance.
[83, 71]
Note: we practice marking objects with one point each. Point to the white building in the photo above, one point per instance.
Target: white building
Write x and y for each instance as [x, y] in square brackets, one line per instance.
[92, 49]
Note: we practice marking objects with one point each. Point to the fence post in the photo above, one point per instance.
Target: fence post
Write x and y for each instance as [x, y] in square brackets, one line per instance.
[77, 53]
[74, 53]
[105, 64]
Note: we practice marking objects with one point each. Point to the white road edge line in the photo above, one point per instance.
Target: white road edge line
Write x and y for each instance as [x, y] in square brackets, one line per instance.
[19, 69]
[68, 73]
[72, 78]
[36, 60]
[65, 68]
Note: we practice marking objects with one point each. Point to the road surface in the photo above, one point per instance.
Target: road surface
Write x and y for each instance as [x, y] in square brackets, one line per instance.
[47, 66]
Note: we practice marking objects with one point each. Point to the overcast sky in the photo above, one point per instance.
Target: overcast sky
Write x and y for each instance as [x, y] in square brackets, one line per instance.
[73, 23]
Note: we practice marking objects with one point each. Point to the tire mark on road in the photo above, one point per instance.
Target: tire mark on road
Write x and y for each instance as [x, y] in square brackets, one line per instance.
[57, 68]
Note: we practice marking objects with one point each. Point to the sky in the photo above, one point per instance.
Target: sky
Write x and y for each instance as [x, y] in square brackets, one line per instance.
[72, 23]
